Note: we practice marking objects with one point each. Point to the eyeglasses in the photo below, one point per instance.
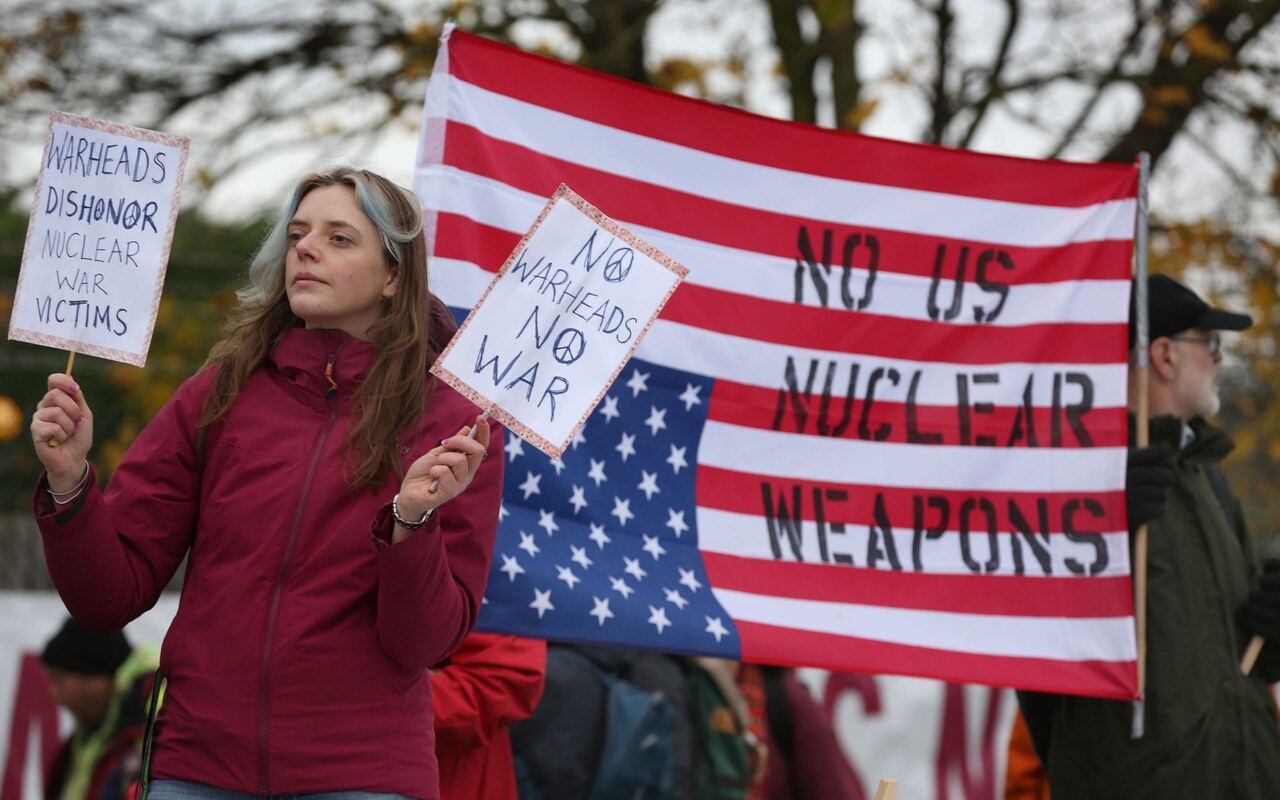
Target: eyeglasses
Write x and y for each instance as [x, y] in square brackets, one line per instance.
[1213, 341]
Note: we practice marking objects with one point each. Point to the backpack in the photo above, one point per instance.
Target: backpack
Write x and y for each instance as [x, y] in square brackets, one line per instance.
[725, 763]
[637, 761]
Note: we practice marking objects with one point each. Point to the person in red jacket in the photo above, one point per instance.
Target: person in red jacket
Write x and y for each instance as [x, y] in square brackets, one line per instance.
[490, 682]
[337, 518]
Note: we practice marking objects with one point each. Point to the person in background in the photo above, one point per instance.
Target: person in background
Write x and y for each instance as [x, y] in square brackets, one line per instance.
[333, 498]
[490, 682]
[104, 683]
[805, 759]
[1024, 775]
[1210, 731]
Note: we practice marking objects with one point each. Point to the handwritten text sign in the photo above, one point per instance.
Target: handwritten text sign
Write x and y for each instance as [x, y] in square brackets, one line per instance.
[559, 321]
[99, 238]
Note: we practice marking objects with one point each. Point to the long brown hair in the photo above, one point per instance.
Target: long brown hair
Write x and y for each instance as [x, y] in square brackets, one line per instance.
[394, 393]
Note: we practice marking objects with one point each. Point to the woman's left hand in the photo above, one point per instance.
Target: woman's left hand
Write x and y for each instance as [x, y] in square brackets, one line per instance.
[444, 472]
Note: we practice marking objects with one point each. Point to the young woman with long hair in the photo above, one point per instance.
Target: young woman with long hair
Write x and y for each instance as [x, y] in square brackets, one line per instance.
[337, 518]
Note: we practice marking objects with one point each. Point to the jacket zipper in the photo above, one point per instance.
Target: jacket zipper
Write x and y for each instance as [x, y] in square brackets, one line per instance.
[264, 682]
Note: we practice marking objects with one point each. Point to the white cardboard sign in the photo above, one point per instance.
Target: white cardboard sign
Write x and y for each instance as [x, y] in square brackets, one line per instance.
[98, 242]
[558, 322]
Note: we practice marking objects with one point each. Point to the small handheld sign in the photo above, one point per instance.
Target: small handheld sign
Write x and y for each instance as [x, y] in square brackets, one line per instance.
[555, 327]
[98, 242]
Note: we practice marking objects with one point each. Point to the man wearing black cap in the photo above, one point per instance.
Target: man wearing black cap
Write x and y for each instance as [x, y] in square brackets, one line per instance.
[1210, 731]
[100, 679]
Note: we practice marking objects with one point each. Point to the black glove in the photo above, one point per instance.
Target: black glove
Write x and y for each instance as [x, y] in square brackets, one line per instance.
[1260, 614]
[1147, 479]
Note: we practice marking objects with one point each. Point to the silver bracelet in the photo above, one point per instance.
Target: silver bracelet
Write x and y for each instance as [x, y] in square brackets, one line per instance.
[408, 525]
[73, 491]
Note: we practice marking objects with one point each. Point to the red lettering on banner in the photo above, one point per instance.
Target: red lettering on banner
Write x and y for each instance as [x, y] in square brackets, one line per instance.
[953, 747]
[33, 705]
[864, 686]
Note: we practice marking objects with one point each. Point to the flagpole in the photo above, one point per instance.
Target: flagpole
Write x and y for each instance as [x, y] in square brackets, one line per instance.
[1142, 343]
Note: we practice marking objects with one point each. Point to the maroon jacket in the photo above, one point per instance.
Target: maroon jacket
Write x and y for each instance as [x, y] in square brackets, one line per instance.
[297, 662]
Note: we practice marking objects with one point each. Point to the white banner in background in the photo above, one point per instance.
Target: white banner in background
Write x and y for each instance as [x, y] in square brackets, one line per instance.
[940, 741]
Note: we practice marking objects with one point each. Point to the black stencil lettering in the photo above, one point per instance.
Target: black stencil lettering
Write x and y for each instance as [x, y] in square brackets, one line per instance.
[989, 286]
[966, 512]
[1037, 541]
[781, 523]
[957, 291]
[882, 532]
[1100, 556]
[883, 430]
[920, 532]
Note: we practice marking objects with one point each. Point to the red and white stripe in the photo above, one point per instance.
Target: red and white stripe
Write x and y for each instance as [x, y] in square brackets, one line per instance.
[726, 193]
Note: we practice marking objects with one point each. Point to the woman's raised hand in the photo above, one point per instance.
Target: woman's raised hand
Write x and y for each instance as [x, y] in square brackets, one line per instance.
[62, 431]
[444, 471]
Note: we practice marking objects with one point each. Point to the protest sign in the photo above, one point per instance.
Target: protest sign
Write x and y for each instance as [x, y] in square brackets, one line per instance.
[98, 242]
[558, 322]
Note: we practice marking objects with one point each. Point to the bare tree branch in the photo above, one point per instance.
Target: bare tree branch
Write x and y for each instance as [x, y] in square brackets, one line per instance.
[1013, 14]
[941, 107]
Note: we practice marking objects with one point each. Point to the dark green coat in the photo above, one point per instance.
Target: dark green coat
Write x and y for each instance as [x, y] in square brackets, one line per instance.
[1210, 732]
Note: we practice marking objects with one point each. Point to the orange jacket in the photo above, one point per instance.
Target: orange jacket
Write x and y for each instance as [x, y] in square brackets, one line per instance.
[1025, 778]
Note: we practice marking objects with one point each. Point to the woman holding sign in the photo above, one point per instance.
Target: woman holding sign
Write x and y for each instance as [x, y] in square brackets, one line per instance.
[338, 519]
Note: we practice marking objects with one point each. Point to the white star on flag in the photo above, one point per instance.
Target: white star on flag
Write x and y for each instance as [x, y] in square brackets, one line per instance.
[542, 602]
[610, 408]
[649, 484]
[558, 464]
[690, 396]
[511, 567]
[627, 446]
[653, 547]
[547, 520]
[674, 598]
[579, 499]
[676, 459]
[530, 485]
[620, 586]
[675, 521]
[657, 420]
[596, 473]
[622, 510]
[658, 617]
[633, 568]
[638, 382]
[687, 578]
[601, 610]
[528, 545]
[580, 556]
[716, 628]
[565, 574]
[599, 536]
[515, 447]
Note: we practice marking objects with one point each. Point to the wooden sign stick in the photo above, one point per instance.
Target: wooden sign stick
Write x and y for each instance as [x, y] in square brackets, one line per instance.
[888, 788]
[71, 359]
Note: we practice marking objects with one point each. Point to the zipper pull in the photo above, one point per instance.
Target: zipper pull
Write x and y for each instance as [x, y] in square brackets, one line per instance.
[332, 391]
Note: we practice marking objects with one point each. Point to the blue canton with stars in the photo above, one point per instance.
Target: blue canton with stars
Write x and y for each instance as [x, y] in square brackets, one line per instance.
[601, 546]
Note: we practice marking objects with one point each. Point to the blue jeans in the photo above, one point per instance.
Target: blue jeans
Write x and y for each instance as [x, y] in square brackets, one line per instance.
[182, 790]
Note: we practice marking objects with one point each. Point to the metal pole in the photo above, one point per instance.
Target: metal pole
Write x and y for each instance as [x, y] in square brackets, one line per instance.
[1142, 344]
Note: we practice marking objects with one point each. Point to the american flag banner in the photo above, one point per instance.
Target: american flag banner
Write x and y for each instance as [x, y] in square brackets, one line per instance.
[881, 426]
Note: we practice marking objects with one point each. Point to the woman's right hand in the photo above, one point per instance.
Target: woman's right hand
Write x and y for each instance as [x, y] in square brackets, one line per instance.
[62, 431]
